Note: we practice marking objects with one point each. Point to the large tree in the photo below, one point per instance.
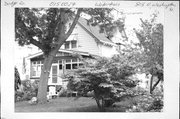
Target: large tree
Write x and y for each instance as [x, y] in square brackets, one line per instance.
[151, 41]
[47, 29]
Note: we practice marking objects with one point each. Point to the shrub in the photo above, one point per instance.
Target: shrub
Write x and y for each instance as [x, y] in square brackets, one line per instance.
[18, 96]
[29, 90]
[156, 105]
[147, 102]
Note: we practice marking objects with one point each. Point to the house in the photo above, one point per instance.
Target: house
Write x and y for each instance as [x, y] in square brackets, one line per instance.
[85, 41]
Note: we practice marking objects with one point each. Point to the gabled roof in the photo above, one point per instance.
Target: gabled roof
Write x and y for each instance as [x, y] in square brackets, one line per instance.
[94, 31]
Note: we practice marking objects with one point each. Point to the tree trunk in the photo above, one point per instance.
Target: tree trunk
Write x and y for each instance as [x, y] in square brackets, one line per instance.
[154, 86]
[151, 83]
[103, 105]
[42, 90]
[98, 103]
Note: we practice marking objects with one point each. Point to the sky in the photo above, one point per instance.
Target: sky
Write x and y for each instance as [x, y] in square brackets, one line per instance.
[132, 19]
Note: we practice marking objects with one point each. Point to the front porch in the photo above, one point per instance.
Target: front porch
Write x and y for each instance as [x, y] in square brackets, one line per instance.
[64, 62]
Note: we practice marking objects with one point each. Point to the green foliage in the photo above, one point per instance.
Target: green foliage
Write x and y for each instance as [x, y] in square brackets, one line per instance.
[18, 96]
[109, 79]
[104, 19]
[146, 102]
[38, 26]
[29, 89]
[17, 79]
[151, 41]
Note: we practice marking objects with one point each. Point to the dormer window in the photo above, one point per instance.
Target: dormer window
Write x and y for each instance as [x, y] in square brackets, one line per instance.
[71, 44]
[67, 45]
[74, 44]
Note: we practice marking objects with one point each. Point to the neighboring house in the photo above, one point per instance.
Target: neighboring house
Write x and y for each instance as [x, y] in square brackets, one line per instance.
[85, 41]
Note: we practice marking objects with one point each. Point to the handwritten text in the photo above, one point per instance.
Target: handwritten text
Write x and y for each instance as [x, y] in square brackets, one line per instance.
[13, 3]
[107, 4]
[169, 6]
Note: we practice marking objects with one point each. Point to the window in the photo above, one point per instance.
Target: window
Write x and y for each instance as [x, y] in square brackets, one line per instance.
[72, 63]
[38, 71]
[60, 67]
[33, 64]
[74, 66]
[54, 79]
[73, 44]
[36, 68]
[67, 45]
[68, 66]
[33, 71]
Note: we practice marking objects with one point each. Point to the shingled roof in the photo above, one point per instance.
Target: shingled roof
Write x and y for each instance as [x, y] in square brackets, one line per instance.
[94, 31]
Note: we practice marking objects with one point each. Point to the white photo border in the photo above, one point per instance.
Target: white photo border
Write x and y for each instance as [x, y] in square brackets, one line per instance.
[171, 58]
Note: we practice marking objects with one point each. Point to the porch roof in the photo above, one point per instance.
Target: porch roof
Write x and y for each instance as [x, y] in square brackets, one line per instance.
[73, 52]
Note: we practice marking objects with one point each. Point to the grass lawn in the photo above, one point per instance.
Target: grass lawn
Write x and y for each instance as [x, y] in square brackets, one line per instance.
[65, 104]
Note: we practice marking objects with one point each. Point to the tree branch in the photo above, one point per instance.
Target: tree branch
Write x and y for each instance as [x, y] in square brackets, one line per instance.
[73, 24]
[36, 43]
[62, 36]
[143, 22]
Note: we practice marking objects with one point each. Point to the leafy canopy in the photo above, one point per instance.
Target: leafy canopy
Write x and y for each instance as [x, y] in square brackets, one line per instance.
[107, 78]
[44, 27]
[151, 41]
[40, 27]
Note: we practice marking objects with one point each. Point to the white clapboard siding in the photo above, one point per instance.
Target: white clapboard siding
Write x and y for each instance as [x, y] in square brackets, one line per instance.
[86, 42]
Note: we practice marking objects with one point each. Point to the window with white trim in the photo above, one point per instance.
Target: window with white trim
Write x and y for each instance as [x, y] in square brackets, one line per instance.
[70, 44]
[68, 63]
[60, 65]
[36, 67]
[67, 45]
[74, 44]
[72, 63]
